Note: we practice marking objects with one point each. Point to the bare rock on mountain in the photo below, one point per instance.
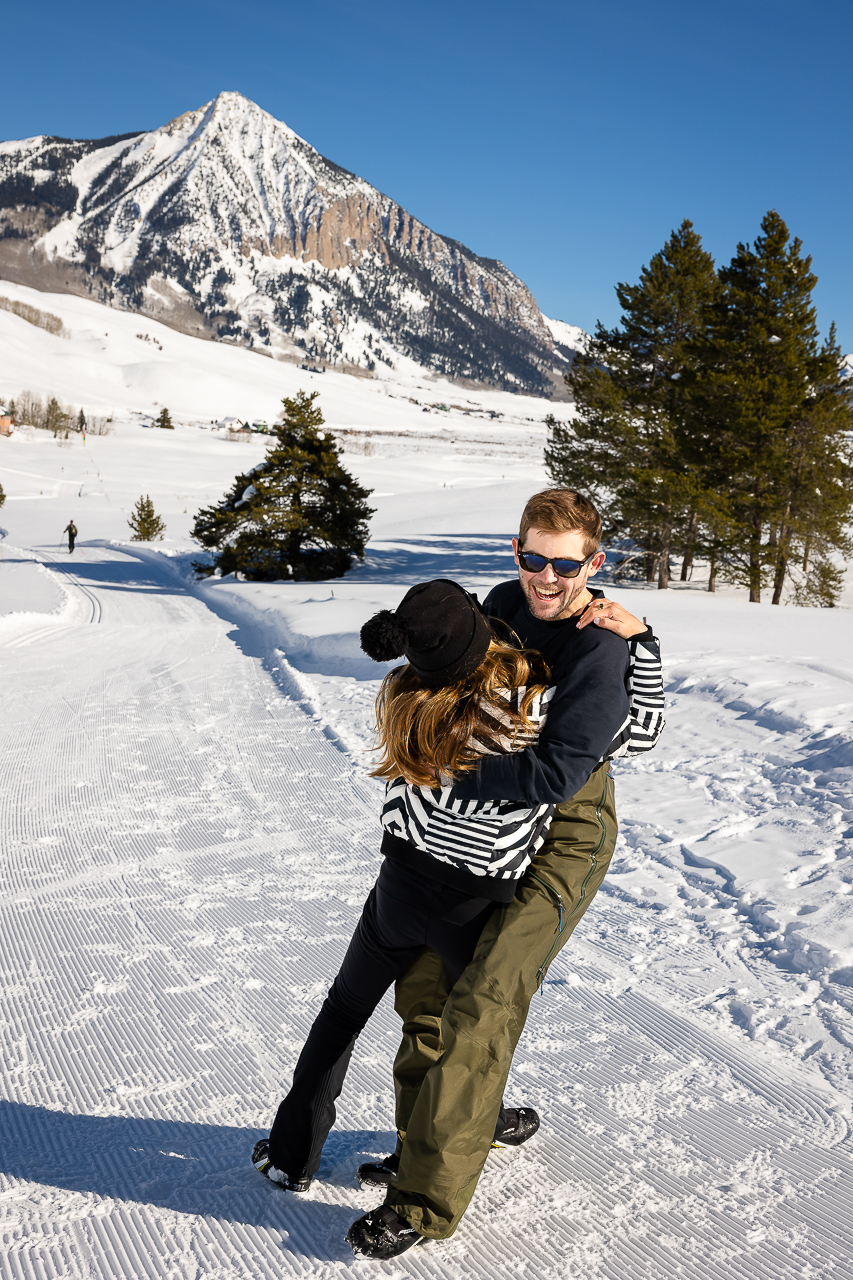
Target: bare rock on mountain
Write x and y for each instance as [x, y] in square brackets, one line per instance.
[227, 224]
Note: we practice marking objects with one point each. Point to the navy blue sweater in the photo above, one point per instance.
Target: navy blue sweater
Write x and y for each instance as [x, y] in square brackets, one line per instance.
[589, 711]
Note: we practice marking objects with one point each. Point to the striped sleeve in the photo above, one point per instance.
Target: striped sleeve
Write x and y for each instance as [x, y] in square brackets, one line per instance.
[483, 837]
[645, 691]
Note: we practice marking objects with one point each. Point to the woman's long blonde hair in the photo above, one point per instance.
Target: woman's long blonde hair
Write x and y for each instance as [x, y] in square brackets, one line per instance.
[426, 733]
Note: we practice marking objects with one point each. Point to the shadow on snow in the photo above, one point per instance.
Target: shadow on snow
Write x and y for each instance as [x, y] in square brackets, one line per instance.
[200, 1169]
[411, 560]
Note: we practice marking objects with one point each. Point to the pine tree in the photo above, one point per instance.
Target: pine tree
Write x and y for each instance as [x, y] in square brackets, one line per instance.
[144, 521]
[769, 411]
[56, 418]
[164, 420]
[626, 443]
[299, 514]
[81, 421]
[817, 488]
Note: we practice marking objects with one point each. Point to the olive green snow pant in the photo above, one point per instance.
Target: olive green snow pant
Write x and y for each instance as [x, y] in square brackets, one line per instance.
[457, 1047]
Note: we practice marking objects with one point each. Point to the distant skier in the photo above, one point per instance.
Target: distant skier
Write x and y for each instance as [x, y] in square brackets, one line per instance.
[71, 530]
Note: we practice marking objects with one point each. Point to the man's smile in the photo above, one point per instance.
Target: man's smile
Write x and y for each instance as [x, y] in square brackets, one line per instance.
[551, 600]
[546, 593]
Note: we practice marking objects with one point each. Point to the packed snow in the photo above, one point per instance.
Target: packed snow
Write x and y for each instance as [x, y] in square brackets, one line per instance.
[189, 832]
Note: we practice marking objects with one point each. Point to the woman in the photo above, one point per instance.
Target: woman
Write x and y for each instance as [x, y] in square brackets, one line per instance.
[463, 693]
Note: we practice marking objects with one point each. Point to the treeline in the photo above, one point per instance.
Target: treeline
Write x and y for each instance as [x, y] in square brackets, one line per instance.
[50, 414]
[41, 319]
[713, 422]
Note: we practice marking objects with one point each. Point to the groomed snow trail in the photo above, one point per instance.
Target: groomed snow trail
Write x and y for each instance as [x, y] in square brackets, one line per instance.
[187, 851]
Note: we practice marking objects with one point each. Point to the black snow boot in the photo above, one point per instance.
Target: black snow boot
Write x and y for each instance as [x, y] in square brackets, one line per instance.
[263, 1164]
[518, 1124]
[379, 1173]
[381, 1234]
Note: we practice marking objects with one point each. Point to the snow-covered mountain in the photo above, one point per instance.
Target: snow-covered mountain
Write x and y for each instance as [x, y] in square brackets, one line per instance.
[225, 223]
[568, 338]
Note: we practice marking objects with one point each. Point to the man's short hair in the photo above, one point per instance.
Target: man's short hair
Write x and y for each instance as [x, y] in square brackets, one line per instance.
[562, 511]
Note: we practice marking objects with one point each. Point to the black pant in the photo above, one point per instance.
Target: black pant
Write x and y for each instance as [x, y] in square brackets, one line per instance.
[403, 914]
[71, 538]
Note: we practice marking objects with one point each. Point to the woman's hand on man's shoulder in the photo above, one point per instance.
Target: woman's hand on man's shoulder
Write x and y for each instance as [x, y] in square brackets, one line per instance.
[611, 616]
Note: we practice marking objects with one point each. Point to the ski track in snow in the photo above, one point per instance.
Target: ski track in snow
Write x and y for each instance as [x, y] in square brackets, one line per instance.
[188, 846]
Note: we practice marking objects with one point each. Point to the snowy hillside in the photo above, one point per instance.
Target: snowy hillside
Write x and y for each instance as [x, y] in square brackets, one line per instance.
[225, 223]
[112, 361]
[189, 832]
[568, 337]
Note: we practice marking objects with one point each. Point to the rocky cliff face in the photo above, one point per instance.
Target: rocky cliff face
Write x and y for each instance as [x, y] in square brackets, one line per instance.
[225, 222]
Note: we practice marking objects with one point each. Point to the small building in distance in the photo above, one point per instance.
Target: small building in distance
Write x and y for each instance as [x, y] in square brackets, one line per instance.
[236, 430]
[6, 424]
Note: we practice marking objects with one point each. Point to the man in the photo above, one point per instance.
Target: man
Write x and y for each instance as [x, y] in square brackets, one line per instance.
[457, 1047]
[71, 530]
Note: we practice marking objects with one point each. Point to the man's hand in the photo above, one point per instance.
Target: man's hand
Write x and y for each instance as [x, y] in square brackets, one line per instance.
[612, 617]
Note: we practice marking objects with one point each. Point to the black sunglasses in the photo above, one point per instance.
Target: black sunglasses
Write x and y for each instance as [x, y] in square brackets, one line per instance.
[534, 563]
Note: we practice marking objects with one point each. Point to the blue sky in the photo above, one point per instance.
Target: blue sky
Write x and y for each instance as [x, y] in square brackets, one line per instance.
[566, 139]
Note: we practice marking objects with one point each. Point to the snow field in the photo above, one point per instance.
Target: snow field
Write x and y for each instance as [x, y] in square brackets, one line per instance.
[189, 832]
[119, 362]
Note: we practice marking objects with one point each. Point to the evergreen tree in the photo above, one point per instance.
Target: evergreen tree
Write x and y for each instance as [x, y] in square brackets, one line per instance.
[817, 488]
[56, 418]
[144, 521]
[299, 514]
[2, 496]
[626, 443]
[769, 412]
[81, 421]
[164, 420]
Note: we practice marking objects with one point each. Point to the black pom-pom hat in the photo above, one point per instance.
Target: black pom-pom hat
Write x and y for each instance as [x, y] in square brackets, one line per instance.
[437, 627]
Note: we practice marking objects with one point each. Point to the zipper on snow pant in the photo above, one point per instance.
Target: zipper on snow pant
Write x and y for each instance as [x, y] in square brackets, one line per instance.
[593, 867]
[593, 857]
[549, 889]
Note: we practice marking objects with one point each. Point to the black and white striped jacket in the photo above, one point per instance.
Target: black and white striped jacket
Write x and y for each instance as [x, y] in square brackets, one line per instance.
[644, 682]
[483, 837]
[500, 837]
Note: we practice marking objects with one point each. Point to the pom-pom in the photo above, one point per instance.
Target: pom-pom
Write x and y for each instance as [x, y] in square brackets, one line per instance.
[383, 636]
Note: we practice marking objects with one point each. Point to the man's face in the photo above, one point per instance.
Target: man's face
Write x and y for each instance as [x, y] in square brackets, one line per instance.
[549, 596]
